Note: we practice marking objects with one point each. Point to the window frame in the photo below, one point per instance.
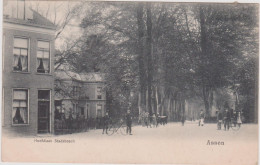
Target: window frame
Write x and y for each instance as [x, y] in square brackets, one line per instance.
[37, 48]
[28, 109]
[98, 109]
[28, 53]
[99, 93]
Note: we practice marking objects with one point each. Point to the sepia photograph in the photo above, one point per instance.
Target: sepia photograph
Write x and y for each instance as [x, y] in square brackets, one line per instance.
[130, 82]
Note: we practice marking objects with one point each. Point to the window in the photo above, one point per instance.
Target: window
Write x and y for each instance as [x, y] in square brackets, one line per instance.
[20, 52]
[20, 106]
[82, 111]
[75, 108]
[43, 57]
[99, 110]
[99, 92]
[75, 91]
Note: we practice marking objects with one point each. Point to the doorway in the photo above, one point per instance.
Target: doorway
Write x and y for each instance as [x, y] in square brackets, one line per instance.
[43, 111]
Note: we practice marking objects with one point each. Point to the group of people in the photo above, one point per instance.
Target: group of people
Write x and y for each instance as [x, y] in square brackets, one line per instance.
[226, 117]
[128, 119]
[148, 120]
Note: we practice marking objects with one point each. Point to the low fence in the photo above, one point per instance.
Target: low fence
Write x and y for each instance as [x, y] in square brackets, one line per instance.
[67, 126]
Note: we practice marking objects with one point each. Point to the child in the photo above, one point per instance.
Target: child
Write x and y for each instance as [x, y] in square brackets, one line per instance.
[239, 121]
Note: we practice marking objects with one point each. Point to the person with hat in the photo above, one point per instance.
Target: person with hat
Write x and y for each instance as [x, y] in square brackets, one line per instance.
[105, 122]
[227, 119]
[128, 123]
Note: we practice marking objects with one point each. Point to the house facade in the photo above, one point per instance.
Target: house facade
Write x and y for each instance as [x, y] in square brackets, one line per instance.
[80, 94]
[28, 81]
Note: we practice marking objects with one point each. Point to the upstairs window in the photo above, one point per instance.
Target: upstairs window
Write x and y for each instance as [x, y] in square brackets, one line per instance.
[43, 57]
[75, 91]
[20, 52]
[99, 93]
[20, 106]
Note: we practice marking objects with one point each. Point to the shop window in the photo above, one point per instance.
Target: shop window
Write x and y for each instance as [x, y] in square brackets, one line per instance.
[20, 106]
[20, 52]
[43, 57]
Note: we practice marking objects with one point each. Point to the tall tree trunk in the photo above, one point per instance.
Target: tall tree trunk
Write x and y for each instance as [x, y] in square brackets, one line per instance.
[157, 99]
[141, 56]
[204, 53]
[139, 103]
[149, 54]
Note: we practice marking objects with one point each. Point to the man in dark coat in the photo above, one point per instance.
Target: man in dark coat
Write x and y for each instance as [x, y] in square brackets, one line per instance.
[227, 119]
[128, 122]
[105, 122]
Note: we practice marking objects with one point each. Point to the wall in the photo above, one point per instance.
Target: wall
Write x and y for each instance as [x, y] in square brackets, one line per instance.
[30, 80]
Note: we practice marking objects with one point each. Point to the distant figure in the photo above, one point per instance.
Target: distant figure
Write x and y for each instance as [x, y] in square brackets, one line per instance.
[105, 122]
[201, 119]
[219, 120]
[147, 121]
[154, 120]
[227, 119]
[128, 123]
[183, 119]
[239, 121]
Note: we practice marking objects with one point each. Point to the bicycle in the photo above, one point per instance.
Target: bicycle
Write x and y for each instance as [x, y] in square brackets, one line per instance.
[234, 125]
[113, 128]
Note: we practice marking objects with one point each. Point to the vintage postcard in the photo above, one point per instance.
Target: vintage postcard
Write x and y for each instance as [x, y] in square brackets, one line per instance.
[130, 82]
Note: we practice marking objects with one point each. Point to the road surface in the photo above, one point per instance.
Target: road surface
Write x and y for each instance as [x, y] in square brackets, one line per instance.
[172, 143]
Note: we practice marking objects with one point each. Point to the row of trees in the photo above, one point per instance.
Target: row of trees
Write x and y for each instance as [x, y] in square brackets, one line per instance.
[156, 56]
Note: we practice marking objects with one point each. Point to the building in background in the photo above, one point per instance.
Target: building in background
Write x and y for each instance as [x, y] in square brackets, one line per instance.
[28, 82]
[79, 94]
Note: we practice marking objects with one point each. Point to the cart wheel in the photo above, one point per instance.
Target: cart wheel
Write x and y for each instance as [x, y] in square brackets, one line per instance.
[235, 126]
[123, 130]
[110, 130]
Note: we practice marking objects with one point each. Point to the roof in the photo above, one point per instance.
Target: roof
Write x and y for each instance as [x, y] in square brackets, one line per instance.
[32, 18]
[64, 73]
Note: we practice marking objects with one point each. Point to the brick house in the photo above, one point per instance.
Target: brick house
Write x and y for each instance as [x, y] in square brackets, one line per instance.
[80, 94]
[28, 65]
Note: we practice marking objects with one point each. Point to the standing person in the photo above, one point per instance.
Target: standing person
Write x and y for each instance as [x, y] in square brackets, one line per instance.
[105, 122]
[146, 119]
[201, 119]
[128, 122]
[219, 119]
[183, 119]
[70, 122]
[239, 121]
[227, 118]
[154, 120]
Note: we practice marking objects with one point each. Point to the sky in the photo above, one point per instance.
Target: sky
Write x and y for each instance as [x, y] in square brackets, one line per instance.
[56, 12]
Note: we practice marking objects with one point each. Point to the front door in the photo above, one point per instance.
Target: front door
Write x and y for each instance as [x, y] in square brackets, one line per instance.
[43, 111]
